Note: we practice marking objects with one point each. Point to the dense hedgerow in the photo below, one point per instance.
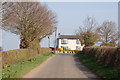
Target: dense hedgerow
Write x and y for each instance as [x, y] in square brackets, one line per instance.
[107, 55]
[19, 55]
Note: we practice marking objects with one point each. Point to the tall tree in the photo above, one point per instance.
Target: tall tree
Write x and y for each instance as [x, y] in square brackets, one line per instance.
[87, 33]
[108, 33]
[3, 6]
[31, 20]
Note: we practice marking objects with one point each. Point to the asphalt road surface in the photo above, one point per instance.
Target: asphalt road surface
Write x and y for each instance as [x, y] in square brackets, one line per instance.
[61, 66]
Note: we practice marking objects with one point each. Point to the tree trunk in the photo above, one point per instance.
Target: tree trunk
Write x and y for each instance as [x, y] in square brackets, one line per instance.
[29, 44]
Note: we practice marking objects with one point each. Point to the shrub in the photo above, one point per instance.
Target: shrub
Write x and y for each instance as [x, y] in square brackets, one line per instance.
[60, 49]
[107, 55]
[77, 49]
[19, 55]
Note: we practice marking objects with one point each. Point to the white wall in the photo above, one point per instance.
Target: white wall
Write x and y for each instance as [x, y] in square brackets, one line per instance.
[71, 44]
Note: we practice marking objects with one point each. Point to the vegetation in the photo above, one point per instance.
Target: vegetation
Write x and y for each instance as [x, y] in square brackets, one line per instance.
[78, 50]
[31, 20]
[1, 48]
[103, 71]
[61, 50]
[109, 56]
[108, 33]
[16, 56]
[89, 38]
[21, 68]
[91, 33]
[87, 33]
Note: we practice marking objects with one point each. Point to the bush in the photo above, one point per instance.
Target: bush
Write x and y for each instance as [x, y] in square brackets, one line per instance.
[19, 55]
[60, 49]
[107, 55]
[77, 49]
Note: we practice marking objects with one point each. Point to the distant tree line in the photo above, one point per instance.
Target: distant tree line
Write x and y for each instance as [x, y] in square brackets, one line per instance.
[32, 21]
[91, 33]
[1, 48]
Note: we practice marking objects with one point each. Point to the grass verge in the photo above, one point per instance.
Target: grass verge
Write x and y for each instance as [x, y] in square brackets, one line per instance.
[103, 71]
[21, 68]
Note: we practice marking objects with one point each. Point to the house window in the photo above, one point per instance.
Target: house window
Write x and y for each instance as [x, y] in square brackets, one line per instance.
[64, 41]
[78, 47]
[64, 47]
[77, 41]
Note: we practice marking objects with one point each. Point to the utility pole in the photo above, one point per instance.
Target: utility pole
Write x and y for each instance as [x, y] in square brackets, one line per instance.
[55, 40]
[55, 44]
[118, 24]
[49, 41]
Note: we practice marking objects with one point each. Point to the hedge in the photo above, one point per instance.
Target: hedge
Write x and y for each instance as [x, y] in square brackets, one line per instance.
[106, 55]
[19, 55]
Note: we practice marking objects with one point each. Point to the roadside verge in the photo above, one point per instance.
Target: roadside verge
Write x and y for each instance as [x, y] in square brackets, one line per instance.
[103, 71]
[21, 68]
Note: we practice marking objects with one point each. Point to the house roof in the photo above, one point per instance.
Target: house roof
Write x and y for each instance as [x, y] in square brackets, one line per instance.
[68, 37]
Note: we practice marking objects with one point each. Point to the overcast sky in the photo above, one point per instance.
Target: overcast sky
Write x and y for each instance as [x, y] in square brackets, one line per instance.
[70, 16]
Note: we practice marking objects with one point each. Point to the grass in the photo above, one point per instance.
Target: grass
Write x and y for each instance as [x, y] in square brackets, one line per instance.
[103, 71]
[21, 68]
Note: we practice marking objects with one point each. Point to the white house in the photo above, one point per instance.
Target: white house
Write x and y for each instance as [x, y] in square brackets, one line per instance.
[70, 42]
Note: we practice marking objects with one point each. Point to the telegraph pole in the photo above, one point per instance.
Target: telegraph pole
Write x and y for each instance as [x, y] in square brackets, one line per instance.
[119, 24]
[48, 41]
[55, 39]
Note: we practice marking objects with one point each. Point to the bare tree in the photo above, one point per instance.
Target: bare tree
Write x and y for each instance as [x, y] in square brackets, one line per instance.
[87, 33]
[3, 6]
[90, 24]
[31, 20]
[108, 33]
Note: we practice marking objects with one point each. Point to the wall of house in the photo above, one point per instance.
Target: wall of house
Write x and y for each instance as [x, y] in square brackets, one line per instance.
[71, 44]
